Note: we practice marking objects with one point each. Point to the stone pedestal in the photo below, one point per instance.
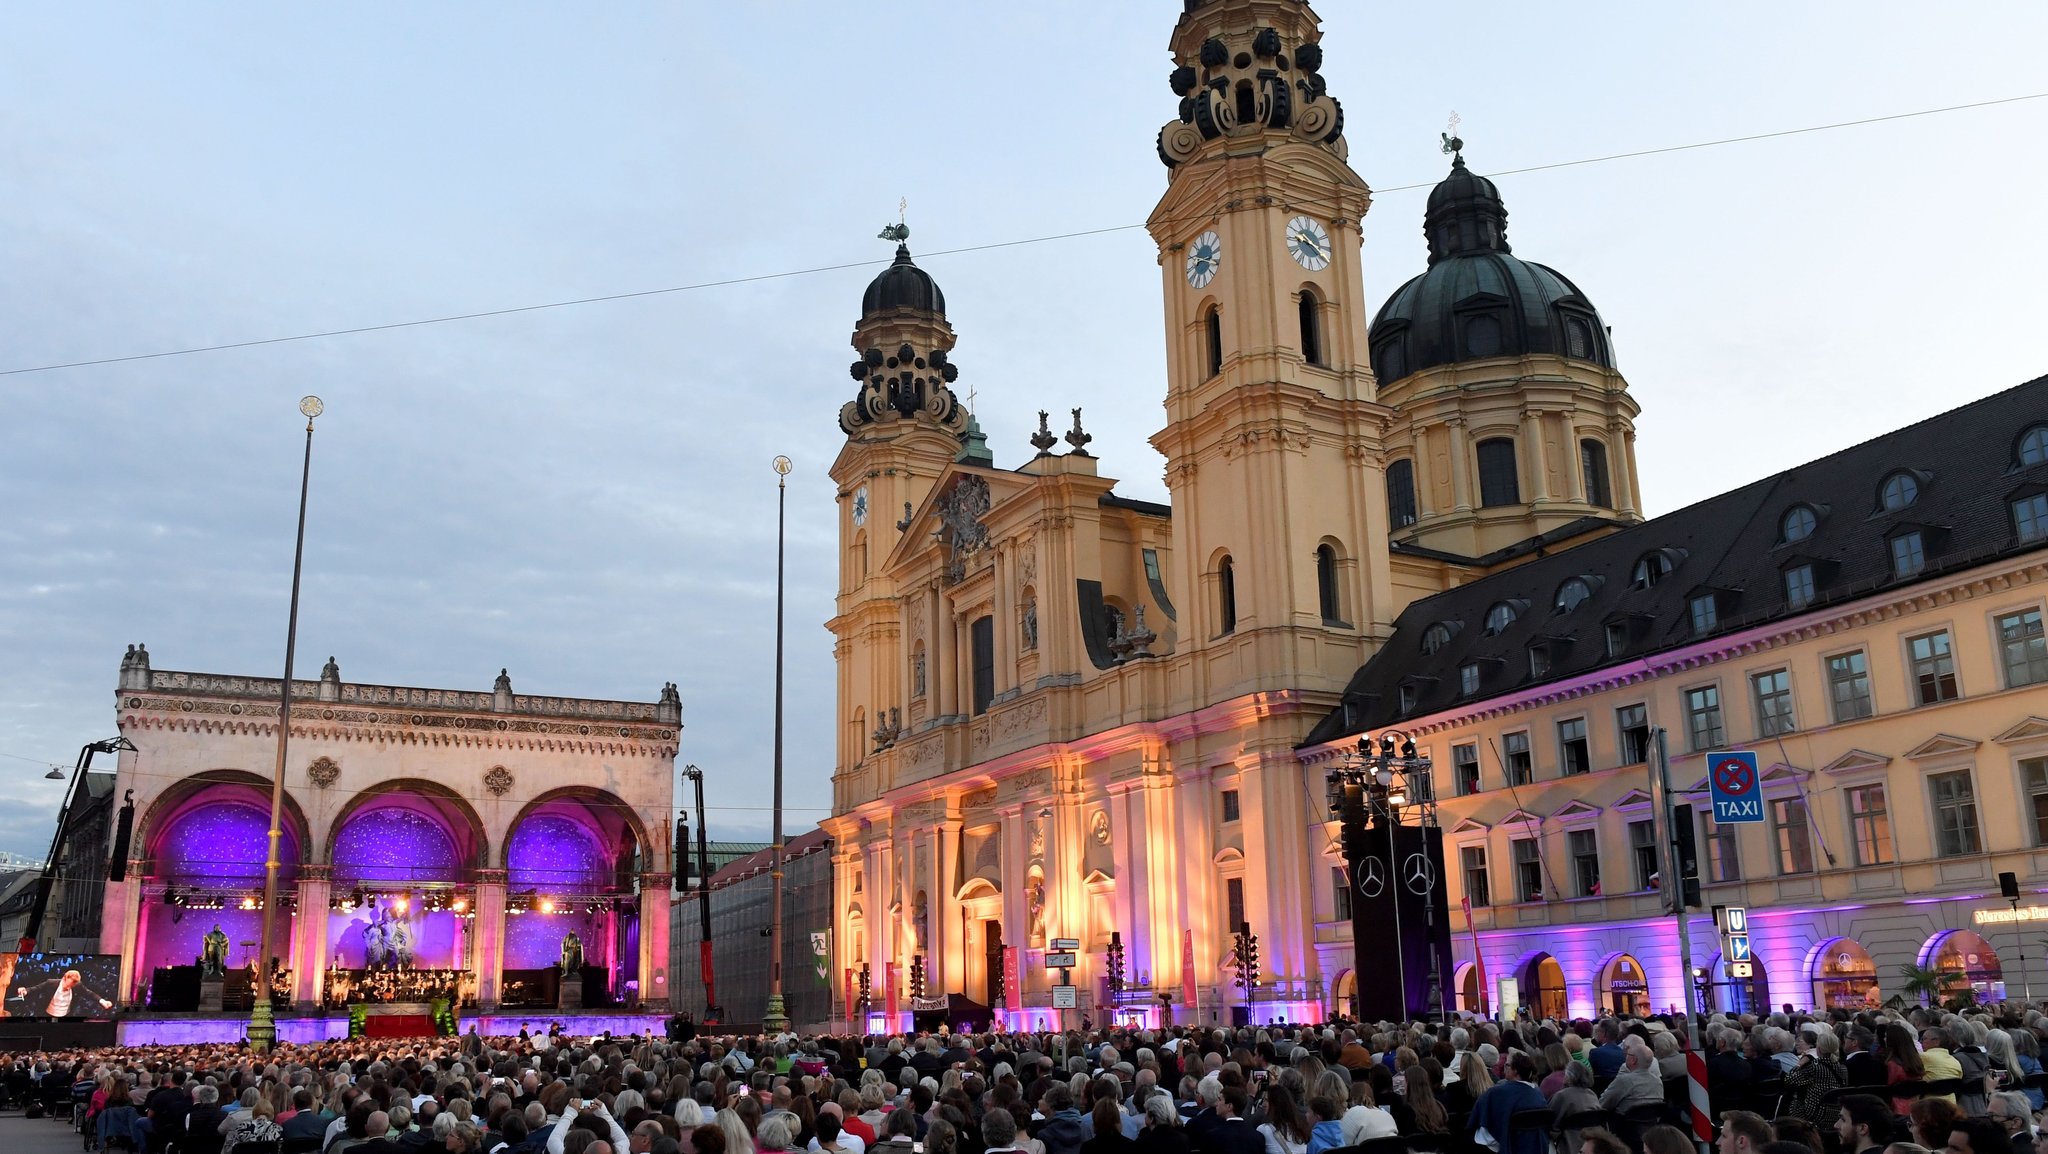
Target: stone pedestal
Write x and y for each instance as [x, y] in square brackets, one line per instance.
[571, 997]
[210, 994]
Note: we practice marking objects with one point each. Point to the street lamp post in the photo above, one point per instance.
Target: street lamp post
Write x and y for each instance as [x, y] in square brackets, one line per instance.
[775, 1020]
[262, 1025]
[48, 881]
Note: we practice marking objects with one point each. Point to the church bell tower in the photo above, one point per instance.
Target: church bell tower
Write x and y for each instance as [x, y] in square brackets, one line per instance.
[1274, 436]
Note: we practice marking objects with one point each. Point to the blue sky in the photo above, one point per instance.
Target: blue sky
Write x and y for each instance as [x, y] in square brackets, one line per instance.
[584, 496]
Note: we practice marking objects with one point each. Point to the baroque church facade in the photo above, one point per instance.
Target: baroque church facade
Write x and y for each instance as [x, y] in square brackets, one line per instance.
[1066, 714]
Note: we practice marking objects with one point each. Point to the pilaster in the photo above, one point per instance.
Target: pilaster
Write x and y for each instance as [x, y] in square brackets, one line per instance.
[490, 935]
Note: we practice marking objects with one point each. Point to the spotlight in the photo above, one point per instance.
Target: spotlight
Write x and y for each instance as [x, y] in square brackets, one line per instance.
[590, 908]
[461, 904]
[402, 903]
[248, 903]
[547, 905]
[1408, 750]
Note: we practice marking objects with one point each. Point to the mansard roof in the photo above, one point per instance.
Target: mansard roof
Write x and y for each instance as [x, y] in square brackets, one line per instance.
[1966, 471]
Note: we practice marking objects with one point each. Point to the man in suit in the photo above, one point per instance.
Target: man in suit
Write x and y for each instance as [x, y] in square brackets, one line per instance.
[1232, 1133]
[1866, 1065]
[62, 997]
[1205, 1118]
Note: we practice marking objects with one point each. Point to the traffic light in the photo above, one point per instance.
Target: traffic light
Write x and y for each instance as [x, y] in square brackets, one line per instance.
[1684, 836]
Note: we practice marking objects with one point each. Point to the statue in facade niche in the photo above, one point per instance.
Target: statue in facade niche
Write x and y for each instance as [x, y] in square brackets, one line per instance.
[1034, 897]
[1030, 624]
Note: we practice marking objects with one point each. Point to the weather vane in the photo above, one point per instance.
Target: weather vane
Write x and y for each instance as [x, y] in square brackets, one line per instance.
[1452, 145]
[900, 231]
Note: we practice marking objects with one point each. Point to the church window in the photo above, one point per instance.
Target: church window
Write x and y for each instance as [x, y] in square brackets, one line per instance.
[1326, 585]
[1212, 339]
[1900, 490]
[1391, 364]
[1226, 596]
[1401, 493]
[1501, 616]
[1593, 469]
[2034, 446]
[1797, 525]
[1435, 638]
[981, 641]
[1311, 328]
[1499, 482]
[1482, 336]
[1578, 339]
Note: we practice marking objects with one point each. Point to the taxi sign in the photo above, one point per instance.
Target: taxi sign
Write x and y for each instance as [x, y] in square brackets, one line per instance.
[1736, 787]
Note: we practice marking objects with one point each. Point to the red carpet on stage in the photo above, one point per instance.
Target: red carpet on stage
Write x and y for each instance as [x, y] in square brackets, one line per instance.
[398, 1026]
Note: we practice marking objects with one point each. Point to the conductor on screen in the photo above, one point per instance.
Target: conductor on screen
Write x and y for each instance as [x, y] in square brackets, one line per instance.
[62, 998]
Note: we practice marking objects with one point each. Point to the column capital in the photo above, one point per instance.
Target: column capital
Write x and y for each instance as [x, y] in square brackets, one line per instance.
[316, 873]
[655, 879]
[491, 877]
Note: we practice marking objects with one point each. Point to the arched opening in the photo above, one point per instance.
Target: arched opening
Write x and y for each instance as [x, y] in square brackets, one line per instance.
[1326, 585]
[1969, 960]
[1541, 987]
[1844, 975]
[1401, 493]
[1344, 995]
[1309, 311]
[857, 736]
[206, 849]
[1733, 995]
[1226, 596]
[1470, 982]
[1499, 482]
[860, 556]
[1623, 989]
[1593, 472]
[571, 865]
[1212, 340]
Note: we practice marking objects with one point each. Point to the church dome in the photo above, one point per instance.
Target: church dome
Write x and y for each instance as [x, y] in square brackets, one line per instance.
[1478, 299]
[903, 285]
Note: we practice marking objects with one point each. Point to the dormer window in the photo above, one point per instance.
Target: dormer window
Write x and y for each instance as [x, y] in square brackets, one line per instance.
[1409, 693]
[1501, 616]
[1578, 339]
[1909, 554]
[1797, 525]
[1799, 586]
[1468, 678]
[1617, 638]
[2033, 447]
[1653, 567]
[1573, 593]
[2030, 518]
[1436, 637]
[1539, 660]
[1899, 490]
[1706, 614]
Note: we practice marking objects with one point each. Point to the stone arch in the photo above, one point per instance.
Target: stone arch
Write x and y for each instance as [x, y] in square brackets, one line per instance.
[607, 814]
[454, 811]
[210, 787]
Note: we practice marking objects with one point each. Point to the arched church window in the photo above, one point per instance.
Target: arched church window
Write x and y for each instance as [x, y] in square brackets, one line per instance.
[1310, 310]
[1401, 493]
[1212, 339]
[1482, 336]
[1326, 585]
[1593, 470]
[1578, 338]
[1226, 596]
[1499, 482]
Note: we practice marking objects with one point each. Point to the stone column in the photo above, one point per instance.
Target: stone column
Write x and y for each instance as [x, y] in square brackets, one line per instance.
[948, 955]
[1161, 853]
[1575, 472]
[121, 927]
[309, 937]
[1621, 448]
[1200, 901]
[654, 976]
[1462, 464]
[490, 936]
[1538, 459]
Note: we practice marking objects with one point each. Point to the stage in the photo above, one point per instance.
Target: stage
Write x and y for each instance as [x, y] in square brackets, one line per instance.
[191, 1029]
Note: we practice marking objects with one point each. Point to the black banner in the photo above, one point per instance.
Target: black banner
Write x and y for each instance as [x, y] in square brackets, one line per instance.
[1400, 918]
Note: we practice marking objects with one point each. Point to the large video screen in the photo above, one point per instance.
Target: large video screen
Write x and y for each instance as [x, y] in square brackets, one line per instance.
[74, 986]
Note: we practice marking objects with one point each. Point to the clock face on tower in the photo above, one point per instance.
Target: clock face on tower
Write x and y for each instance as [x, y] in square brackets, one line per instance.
[1308, 243]
[1205, 256]
[860, 506]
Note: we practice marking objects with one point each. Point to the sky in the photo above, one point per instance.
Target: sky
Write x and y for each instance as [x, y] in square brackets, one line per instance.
[583, 495]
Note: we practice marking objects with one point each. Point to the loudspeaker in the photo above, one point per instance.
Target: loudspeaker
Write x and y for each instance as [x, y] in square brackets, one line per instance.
[2009, 886]
[124, 832]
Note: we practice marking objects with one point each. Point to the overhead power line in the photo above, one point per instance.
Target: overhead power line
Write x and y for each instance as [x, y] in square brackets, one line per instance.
[756, 278]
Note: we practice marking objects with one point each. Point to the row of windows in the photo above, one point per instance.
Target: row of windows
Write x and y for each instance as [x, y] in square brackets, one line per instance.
[1951, 798]
[1309, 314]
[1329, 590]
[1931, 675]
[1499, 478]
